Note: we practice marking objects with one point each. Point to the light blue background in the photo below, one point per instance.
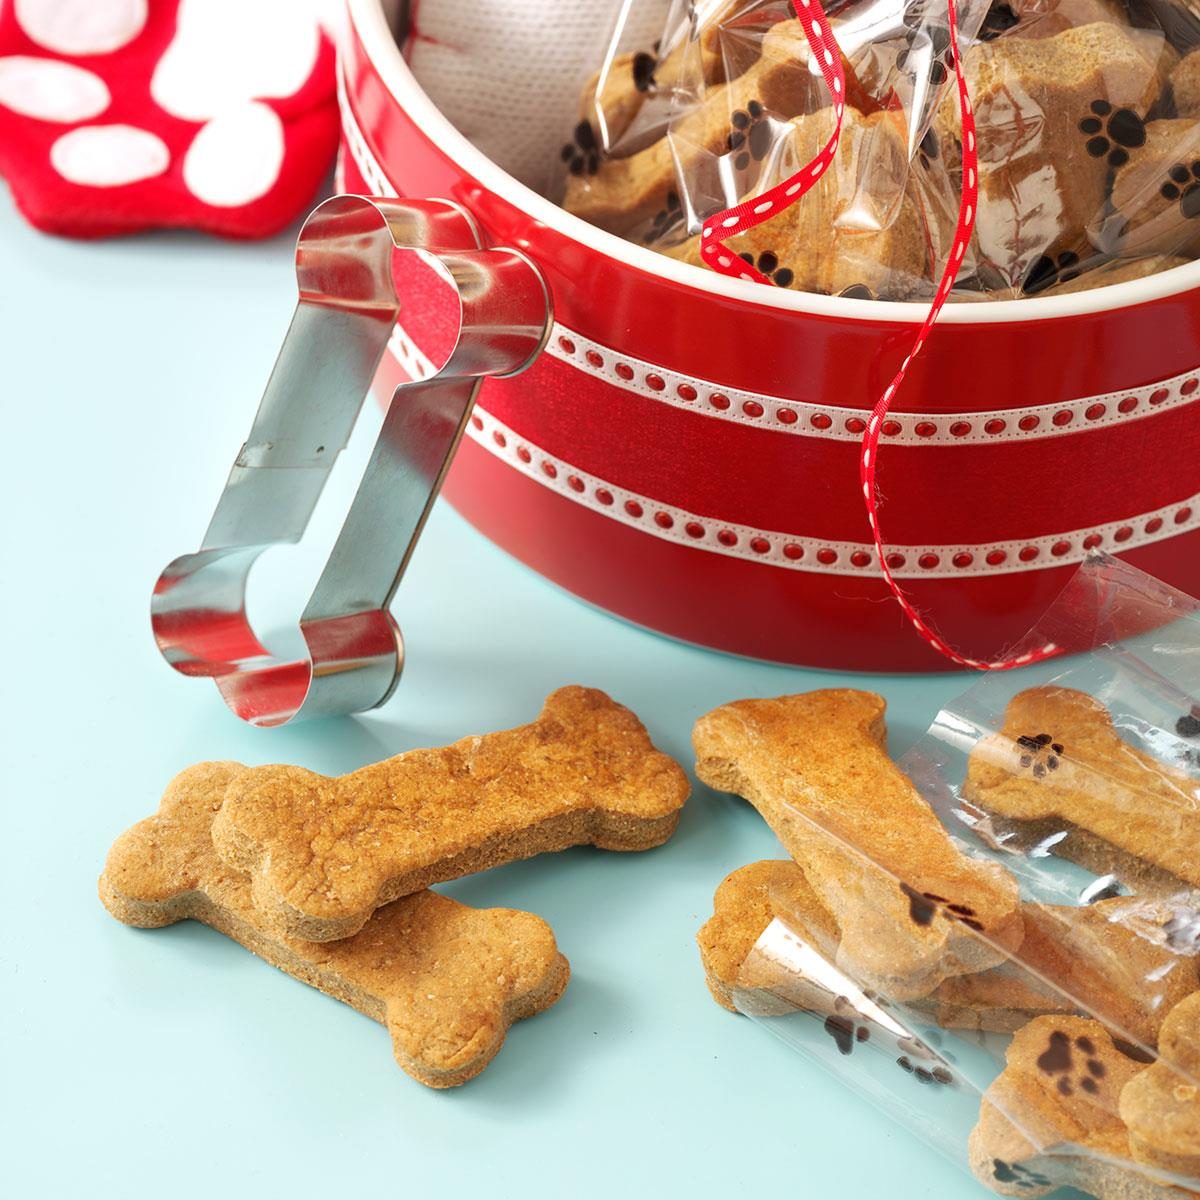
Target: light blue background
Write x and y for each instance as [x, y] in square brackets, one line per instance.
[173, 1063]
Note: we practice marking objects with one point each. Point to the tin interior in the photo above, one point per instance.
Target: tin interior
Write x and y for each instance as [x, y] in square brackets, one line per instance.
[381, 26]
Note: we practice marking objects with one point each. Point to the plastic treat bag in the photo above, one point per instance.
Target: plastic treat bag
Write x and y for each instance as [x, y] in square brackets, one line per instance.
[1088, 115]
[1064, 1049]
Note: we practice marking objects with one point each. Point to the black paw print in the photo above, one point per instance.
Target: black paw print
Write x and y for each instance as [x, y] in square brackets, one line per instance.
[1000, 19]
[668, 216]
[842, 1026]
[938, 1075]
[1040, 754]
[922, 907]
[582, 153]
[1188, 726]
[750, 135]
[643, 66]
[1184, 185]
[941, 58]
[858, 291]
[768, 264]
[1113, 132]
[1058, 1060]
[1048, 270]
[1015, 1173]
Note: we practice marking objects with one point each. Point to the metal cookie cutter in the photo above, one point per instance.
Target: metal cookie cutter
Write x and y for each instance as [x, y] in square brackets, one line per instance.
[357, 260]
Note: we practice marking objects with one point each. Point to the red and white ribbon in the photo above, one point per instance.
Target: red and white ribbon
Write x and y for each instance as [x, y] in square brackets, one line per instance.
[758, 209]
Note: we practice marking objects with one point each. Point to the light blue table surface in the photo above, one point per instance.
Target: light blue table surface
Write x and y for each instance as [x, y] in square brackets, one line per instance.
[173, 1063]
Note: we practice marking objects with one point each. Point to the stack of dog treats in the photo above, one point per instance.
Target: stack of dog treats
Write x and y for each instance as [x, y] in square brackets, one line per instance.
[328, 879]
[1088, 123]
[879, 914]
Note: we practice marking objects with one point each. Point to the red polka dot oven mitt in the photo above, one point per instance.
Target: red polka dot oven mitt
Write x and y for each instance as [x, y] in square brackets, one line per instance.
[123, 115]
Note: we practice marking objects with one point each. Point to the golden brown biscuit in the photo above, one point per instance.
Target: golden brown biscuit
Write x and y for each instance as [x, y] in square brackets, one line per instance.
[1161, 1106]
[867, 228]
[1156, 195]
[746, 902]
[614, 98]
[446, 980]
[1050, 1118]
[1058, 765]
[1185, 86]
[913, 909]
[1120, 270]
[1054, 117]
[739, 120]
[324, 853]
[1110, 959]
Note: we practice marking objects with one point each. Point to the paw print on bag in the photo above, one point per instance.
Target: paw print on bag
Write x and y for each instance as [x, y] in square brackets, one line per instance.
[665, 219]
[1047, 271]
[1018, 1175]
[1058, 1061]
[1183, 184]
[768, 264]
[1039, 754]
[582, 152]
[934, 53]
[999, 20]
[121, 115]
[750, 135]
[1113, 132]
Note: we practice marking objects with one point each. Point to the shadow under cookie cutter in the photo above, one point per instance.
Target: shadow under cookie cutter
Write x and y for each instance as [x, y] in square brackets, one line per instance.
[357, 260]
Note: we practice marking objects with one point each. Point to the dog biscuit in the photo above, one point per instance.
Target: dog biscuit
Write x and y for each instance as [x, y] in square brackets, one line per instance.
[445, 980]
[1059, 765]
[739, 120]
[1050, 1118]
[912, 908]
[1112, 959]
[1161, 1106]
[324, 853]
[869, 225]
[1156, 195]
[1054, 117]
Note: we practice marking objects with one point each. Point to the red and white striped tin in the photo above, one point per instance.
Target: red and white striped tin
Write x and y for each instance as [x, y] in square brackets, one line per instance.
[685, 451]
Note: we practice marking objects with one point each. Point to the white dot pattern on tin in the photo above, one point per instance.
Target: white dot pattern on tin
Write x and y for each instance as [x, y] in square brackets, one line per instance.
[236, 157]
[799, 552]
[49, 90]
[226, 52]
[81, 26]
[109, 155]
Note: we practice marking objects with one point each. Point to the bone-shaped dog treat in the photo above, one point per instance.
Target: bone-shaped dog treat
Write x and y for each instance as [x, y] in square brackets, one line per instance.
[446, 980]
[324, 853]
[1111, 959]
[1161, 1106]
[1059, 765]
[1156, 195]
[868, 244]
[1050, 1118]
[739, 119]
[614, 98]
[913, 909]
[1054, 116]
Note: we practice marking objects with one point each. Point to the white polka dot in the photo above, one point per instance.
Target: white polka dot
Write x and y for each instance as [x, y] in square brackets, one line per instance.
[81, 26]
[793, 189]
[828, 58]
[968, 214]
[765, 206]
[724, 260]
[730, 222]
[50, 90]
[708, 231]
[109, 155]
[228, 51]
[236, 157]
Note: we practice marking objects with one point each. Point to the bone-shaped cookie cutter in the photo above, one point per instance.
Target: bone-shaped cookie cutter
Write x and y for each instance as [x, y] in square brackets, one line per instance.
[356, 260]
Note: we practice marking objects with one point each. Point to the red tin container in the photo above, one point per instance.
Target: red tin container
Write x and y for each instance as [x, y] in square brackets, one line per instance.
[684, 453]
